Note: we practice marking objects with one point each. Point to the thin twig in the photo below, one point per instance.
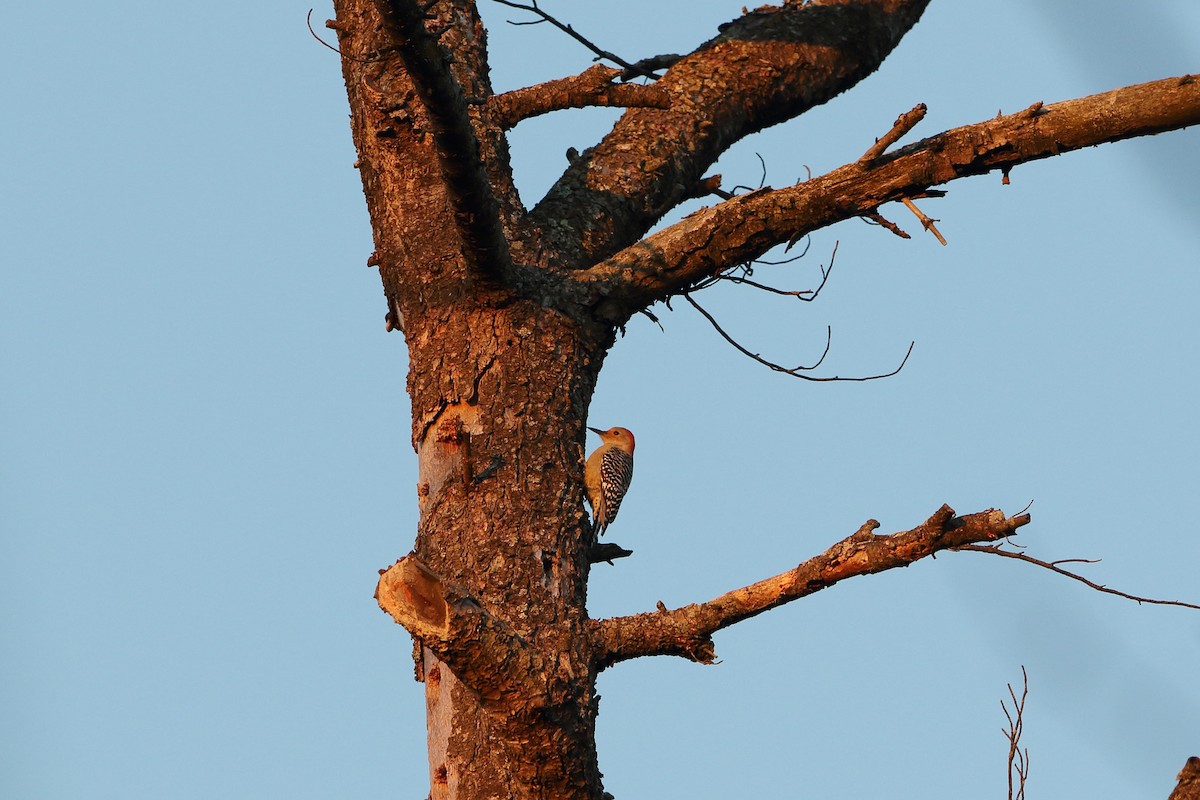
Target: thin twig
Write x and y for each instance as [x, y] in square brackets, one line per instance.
[798, 294]
[651, 64]
[1053, 567]
[335, 25]
[653, 318]
[308, 21]
[762, 179]
[798, 256]
[795, 372]
[927, 222]
[532, 7]
[1018, 759]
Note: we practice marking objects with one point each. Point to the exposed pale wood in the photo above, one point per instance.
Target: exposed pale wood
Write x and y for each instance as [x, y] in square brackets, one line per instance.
[686, 631]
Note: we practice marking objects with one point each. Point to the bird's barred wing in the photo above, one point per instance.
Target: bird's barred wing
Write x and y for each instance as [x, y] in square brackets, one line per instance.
[616, 473]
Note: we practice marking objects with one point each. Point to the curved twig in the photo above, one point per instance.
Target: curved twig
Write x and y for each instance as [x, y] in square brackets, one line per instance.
[308, 22]
[799, 294]
[1053, 567]
[532, 7]
[795, 372]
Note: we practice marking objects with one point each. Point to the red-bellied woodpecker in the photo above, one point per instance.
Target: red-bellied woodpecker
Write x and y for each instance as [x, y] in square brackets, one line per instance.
[607, 475]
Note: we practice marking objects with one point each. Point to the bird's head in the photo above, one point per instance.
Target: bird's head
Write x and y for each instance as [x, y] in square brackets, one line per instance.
[622, 437]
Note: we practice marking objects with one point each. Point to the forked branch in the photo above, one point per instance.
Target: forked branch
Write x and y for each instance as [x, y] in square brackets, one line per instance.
[769, 65]
[476, 213]
[1018, 758]
[742, 228]
[687, 631]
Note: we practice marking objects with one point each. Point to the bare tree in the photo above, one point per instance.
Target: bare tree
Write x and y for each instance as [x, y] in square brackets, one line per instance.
[508, 313]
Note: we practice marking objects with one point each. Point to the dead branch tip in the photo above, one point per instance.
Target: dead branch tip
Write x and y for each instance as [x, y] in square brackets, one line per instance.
[996, 550]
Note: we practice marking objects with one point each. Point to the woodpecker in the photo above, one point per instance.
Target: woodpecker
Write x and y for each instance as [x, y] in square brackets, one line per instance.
[607, 475]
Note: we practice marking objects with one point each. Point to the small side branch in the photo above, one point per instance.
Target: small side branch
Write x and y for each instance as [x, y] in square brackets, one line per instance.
[687, 631]
[1053, 566]
[926, 222]
[873, 217]
[482, 650]
[903, 124]
[592, 87]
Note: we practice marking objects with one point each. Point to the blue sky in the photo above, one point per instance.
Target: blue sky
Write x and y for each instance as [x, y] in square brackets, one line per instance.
[205, 456]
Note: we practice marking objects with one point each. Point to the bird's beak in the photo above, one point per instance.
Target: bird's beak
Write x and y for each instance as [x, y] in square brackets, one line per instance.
[594, 430]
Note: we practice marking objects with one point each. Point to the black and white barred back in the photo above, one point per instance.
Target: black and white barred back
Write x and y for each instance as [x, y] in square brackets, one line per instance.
[616, 473]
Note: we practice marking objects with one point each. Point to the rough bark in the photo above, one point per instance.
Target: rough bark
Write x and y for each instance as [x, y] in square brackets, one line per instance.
[508, 314]
[499, 389]
[592, 87]
[744, 227]
[765, 67]
[1188, 786]
[687, 631]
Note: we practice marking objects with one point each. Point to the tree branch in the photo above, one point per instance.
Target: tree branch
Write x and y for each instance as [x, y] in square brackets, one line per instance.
[476, 213]
[687, 631]
[903, 124]
[744, 227]
[592, 87]
[1053, 566]
[482, 650]
[651, 159]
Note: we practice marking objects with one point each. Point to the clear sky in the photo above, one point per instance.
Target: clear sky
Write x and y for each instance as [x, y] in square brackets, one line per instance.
[205, 456]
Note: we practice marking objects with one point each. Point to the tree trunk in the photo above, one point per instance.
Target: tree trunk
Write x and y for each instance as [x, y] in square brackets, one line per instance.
[508, 315]
[500, 396]
[500, 387]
